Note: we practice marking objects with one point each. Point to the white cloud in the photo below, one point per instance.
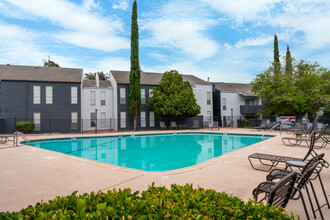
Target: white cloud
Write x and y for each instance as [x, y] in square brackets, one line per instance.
[18, 46]
[181, 25]
[109, 63]
[81, 27]
[120, 4]
[248, 42]
[91, 4]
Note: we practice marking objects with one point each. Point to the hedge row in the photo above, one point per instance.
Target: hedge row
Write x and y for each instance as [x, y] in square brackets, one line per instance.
[179, 202]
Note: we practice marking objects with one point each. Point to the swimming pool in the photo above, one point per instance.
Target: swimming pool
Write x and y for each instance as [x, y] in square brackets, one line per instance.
[156, 152]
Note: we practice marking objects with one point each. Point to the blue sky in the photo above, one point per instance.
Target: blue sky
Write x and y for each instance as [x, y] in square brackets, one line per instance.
[228, 41]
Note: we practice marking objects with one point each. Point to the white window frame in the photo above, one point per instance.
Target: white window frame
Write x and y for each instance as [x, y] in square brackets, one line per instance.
[151, 119]
[122, 119]
[143, 96]
[36, 94]
[143, 122]
[103, 119]
[37, 121]
[74, 121]
[208, 98]
[74, 95]
[92, 98]
[122, 96]
[103, 98]
[49, 94]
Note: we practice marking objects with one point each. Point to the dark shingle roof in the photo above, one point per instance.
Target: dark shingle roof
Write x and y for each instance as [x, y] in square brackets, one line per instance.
[92, 83]
[243, 88]
[148, 78]
[38, 73]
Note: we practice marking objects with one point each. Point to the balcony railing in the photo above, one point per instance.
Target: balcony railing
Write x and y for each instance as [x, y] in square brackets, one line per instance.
[251, 109]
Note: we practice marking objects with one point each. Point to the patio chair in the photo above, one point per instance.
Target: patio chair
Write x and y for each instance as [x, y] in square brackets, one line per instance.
[304, 167]
[214, 125]
[306, 133]
[293, 141]
[162, 125]
[272, 161]
[263, 125]
[196, 124]
[276, 193]
[173, 125]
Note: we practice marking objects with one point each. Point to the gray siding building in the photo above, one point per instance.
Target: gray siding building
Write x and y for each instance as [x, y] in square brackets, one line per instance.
[48, 96]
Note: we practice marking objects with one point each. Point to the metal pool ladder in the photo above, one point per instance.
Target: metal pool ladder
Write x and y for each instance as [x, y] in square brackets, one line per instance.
[20, 134]
[277, 125]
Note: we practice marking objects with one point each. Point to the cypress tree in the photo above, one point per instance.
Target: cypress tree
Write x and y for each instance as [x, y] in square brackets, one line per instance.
[288, 61]
[135, 74]
[277, 64]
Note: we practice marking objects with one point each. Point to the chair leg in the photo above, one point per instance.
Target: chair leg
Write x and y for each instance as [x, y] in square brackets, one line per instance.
[304, 204]
[310, 201]
[324, 193]
[317, 201]
[265, 170]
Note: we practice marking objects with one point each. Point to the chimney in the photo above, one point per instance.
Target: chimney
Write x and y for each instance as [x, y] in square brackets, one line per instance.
[97, 80]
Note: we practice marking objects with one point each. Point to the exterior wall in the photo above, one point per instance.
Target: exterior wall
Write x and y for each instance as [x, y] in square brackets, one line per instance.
[144, 108]
[16, 104]
[200, 95]
[86, 108]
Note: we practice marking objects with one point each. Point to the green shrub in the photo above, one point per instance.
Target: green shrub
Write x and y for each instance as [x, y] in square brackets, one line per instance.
[24, 126]
[179, 202]
[249, 127]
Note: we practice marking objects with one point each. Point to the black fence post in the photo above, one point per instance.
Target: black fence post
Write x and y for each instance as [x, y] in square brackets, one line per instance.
[50, 126]
[82, 126]
[110, 124]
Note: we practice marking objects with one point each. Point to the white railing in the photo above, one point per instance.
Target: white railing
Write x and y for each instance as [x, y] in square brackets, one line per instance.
[275, 126]
[20, 134]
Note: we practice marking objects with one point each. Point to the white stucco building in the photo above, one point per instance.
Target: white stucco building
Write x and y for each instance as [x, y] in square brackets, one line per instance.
[97, 103]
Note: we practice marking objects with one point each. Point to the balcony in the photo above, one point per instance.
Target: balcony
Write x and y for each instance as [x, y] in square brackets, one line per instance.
[251, 109]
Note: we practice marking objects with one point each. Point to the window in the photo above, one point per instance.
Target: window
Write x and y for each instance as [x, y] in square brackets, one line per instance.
[208, 98]
[49, 94]
[74, 120]
[249, 101]
[74, 95]
[150, 95]
[92, 98]
[143, 119]
[122, 119]
[103, 119]
[36, 121]
[36, 94]
[151, 119]
[93, 119]
[143, 96]
[102, 98]
[209, 119]
[223, 103]
[122, 96]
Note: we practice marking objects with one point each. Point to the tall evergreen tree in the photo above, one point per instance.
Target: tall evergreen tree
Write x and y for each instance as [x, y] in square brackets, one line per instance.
[135, 74]
[277, 64]
[288, 61]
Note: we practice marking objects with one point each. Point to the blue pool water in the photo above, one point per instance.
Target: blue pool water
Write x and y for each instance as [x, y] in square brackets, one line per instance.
[160, 152]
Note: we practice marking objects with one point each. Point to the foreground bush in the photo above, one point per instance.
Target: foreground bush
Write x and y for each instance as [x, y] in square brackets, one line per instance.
[179, 202]
[24, 126]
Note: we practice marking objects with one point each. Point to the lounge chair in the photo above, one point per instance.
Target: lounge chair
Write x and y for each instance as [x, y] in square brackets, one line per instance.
[214, 125]
[274, 160]
[293, 141]
[206, 124]
[276, 193]
[162, 125]
[306, 133]
[301, 182]
[4, 138]
[196, 124]
[173, 125]
[263, 125]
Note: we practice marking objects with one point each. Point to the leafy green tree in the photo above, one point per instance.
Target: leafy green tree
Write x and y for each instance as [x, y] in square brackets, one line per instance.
[135, 74]
[174, 97]
[92, 76]
[305, 91]
[288, 61]
[50, 63]
[277, 63]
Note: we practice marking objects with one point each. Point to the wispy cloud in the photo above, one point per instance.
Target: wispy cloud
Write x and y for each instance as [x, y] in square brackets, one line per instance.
[120, 4]
[248, 42]
[80, 26]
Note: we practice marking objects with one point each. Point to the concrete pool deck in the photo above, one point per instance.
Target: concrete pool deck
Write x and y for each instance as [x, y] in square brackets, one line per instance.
[29, 175]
